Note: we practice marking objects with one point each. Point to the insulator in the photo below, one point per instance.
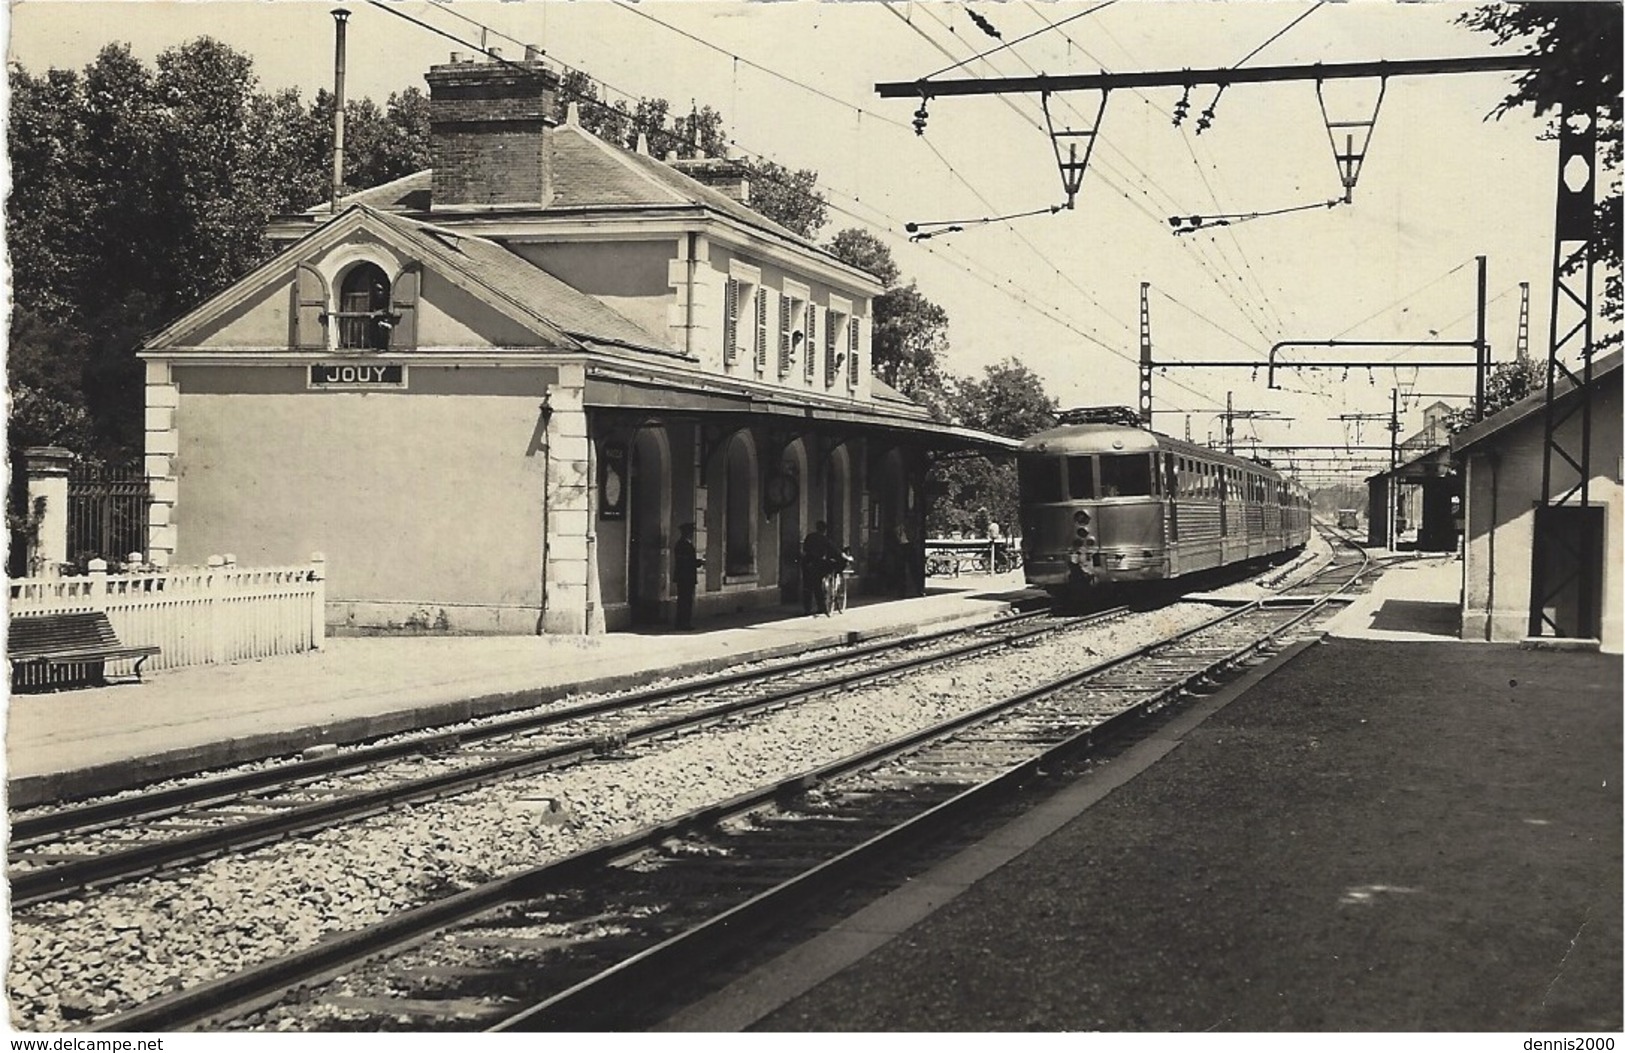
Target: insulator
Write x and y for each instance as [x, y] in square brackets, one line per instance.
[919, 119]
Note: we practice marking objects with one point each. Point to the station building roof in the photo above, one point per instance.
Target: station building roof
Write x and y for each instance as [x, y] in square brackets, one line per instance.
[1493, 425]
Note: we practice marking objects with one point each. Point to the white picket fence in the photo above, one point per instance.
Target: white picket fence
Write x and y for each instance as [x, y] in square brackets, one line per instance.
[196, 615]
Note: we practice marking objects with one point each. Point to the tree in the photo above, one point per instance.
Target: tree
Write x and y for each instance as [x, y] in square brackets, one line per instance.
[968, 493]
[610, 122]
[910, 337]
[1009, 400]
[790, 199]
[1507, 383]
[863, 250]
[1578, 44]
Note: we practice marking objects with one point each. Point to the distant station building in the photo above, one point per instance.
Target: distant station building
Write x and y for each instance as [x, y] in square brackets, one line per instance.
[1424, 488]
[491, 393]
[1580, 550]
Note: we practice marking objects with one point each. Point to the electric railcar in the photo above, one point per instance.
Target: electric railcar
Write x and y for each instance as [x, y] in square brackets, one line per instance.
[1106, 502]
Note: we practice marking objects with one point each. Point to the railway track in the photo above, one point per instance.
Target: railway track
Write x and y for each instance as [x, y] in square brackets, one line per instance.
[578, 944]
[64, 852]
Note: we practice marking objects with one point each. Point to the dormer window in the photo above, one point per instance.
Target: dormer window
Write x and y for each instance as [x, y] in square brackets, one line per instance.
[364, 321]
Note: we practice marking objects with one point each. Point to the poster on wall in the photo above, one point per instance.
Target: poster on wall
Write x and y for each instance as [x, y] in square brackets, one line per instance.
[612, 481]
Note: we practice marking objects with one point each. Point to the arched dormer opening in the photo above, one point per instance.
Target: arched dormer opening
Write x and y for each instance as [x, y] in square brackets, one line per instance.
[364, 319]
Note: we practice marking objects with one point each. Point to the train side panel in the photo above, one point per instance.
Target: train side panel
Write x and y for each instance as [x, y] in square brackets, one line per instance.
[1110, 503]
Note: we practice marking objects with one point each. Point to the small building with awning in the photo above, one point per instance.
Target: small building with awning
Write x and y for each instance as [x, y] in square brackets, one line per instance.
[491, 393]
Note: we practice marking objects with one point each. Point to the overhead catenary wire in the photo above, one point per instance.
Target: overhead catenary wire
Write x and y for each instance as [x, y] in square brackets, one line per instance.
[1218, 273]
[1245, 269]
[1018, 40]
[1045, 312]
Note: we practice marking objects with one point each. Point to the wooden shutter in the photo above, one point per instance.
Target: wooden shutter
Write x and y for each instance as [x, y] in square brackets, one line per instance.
[730, 322]
[812, 341]
[761, 329]
[403, 301]
[852, 353]
[307, 319]
[784, 335]
[830, 324]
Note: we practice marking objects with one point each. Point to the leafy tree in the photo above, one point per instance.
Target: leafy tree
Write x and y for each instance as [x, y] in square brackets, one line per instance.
[866, 252]
[1507, 383]
[968, 493]
[910, 338]
[1578, 44]
[45, 210]
[611, 122]
[790, 199]
[1009, 400]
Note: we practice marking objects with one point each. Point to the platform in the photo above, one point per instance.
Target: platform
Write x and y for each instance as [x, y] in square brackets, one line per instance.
[94, 740]
[1387, 830]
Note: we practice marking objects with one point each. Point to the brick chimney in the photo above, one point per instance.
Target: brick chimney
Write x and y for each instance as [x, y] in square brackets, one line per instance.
[726, 174]
[488, 125]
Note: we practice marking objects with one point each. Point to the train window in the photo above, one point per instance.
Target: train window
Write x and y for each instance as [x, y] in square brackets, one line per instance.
[1080, 477]
[1125, 475]
[1040, 478]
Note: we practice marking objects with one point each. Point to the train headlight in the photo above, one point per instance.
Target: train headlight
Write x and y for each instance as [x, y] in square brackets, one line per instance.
[1080, 517]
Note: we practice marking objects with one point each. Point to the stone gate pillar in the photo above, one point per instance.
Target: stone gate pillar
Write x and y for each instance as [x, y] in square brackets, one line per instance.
[47, 469]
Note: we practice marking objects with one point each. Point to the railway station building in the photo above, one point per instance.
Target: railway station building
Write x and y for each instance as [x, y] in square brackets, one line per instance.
[492, 393]
[1580, 548]
[1424, 488]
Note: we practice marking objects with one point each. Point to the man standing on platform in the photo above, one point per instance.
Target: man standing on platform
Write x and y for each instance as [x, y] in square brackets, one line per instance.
[686, 564]
[818, 557]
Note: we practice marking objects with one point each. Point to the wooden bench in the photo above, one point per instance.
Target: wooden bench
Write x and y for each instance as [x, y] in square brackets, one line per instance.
[65, 650]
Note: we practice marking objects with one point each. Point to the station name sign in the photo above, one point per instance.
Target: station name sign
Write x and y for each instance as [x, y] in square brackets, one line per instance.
[363, 375]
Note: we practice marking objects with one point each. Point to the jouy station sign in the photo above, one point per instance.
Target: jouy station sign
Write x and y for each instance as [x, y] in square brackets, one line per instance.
[358, 375]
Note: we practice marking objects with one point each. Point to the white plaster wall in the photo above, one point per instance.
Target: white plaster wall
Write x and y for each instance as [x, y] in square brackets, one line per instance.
[415, 500]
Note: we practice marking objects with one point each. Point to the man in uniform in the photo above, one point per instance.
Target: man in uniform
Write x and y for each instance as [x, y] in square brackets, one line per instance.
[686, 564]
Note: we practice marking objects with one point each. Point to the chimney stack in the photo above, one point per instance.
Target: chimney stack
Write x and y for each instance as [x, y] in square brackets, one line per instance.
[725, 174]
[340, 16]
[488, 125]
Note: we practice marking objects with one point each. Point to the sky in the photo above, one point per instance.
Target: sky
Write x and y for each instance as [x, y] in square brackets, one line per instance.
[1443, 182]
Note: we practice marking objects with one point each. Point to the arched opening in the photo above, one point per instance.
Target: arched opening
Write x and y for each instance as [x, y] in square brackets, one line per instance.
[792, 522]
[739, 508]
[648, 505]
[838, 497]
[363, 318]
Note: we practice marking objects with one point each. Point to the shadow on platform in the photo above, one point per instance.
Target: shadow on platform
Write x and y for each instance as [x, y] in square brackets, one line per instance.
[1433, 617]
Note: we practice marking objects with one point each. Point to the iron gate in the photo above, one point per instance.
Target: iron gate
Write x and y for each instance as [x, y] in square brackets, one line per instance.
[107, 513]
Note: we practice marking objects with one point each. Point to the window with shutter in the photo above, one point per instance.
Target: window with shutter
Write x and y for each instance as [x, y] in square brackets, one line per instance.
[812, 341]
[832, 331]
[852, 354]
[785, 303]
[730, 322]
[761, 330]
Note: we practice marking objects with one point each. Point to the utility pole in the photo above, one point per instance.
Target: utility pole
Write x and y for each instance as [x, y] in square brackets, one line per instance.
[1523, 322]
[1481, 343]
[1145, 355]
[1393, 476]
